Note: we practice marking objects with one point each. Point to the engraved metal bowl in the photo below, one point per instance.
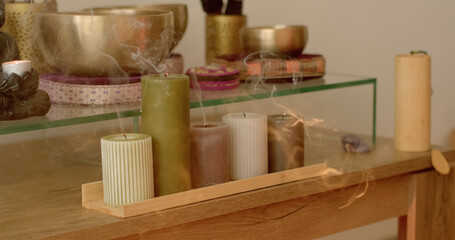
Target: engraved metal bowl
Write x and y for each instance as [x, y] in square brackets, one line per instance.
[99, 45]
[180, 16]
[279, 39]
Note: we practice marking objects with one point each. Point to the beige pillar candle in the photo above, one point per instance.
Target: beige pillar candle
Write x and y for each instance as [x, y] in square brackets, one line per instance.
[285, 142]
[166, 117]
[412, 102]
[248, 144]
[210, 162]
[127, 164]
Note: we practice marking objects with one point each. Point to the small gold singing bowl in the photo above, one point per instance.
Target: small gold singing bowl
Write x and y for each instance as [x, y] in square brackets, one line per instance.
[180, 15]
[279, 39]
[99, 44]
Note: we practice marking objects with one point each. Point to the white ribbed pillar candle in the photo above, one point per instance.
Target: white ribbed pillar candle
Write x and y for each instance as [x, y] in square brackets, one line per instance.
[248, 144]
[127, 163]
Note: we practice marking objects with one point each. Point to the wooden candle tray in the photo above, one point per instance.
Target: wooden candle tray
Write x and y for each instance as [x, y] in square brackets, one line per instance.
[92, 193]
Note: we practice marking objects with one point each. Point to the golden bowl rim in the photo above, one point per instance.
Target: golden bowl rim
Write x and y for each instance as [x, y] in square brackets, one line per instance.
[138, 6]
[275, 27]
[154, 13]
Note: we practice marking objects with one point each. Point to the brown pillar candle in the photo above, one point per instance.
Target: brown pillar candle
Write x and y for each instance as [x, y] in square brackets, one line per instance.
[209, 154]
[285, 142]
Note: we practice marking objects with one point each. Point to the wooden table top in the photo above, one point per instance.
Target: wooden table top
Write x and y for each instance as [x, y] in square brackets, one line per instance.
[40, 184]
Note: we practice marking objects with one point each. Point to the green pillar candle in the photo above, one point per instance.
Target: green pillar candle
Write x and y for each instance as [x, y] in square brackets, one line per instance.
[166, 117]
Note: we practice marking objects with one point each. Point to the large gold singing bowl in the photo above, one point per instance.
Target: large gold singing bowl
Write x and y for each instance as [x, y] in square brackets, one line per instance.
[278, 39]
[180, 16]
[82, 44]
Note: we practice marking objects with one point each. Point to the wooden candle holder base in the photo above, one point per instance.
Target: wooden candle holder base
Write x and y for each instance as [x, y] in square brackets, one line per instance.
[92, 193]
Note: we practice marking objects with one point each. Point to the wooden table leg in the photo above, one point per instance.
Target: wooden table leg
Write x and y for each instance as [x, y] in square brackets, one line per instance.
[431, 212]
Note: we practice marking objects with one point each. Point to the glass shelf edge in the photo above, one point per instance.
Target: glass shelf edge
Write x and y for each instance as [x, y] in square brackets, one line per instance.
[68, 122]
[281, 93]
[40, 125]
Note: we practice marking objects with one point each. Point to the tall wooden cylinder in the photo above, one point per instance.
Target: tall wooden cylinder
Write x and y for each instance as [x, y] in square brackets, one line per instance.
[412, 102]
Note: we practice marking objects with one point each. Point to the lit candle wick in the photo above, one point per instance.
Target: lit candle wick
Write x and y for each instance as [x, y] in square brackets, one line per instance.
[165, 75]
[125, 136]
[205, 125]
[284, 115]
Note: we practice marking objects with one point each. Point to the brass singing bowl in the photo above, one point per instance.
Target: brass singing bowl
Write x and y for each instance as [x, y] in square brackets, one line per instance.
[279, 39]
[99, 45]
[180, 16]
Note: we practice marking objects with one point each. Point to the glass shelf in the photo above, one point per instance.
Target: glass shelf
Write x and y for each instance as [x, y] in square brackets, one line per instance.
[65, 115]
